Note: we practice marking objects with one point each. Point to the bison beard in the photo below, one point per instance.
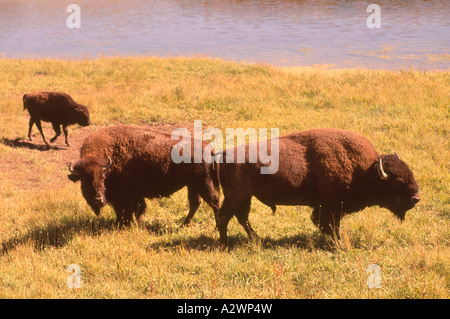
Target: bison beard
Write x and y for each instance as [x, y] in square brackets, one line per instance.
[334, 171]
[123, 165]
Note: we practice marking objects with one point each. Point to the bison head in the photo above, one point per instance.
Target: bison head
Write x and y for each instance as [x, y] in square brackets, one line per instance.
[397, 188]
[82, 116]
[91, 171]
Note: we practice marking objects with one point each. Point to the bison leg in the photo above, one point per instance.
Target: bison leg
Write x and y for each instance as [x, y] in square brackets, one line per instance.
[242, 217]
[126, 217]
[140, 208]
[211, 197]
[38, 125]
[327, 218]
[224, 216]
[57, 129]
[241, 210]
[124, 213]
[66, 134]
[194, 202]
[30, 126]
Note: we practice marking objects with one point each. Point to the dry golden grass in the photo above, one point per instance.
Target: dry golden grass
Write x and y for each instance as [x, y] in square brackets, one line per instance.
[45, 224]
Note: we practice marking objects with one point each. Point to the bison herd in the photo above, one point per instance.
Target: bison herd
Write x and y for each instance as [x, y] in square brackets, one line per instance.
[333, 171]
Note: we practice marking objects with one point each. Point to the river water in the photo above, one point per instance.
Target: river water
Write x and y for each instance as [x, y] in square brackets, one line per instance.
[412, 33]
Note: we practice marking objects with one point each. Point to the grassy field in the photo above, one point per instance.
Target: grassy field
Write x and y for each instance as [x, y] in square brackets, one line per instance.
[46, 225]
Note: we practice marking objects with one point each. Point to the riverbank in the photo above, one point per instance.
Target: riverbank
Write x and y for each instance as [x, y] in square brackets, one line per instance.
[46, 225]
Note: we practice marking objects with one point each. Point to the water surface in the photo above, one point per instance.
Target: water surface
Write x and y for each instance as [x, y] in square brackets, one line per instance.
[413, 33]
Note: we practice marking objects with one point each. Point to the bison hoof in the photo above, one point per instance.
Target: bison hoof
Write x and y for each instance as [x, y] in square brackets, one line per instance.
[223, 246]
[185, 223]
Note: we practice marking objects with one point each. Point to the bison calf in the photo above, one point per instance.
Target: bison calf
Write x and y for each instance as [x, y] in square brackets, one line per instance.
[334, 171]
[57, 108]
[122, 165]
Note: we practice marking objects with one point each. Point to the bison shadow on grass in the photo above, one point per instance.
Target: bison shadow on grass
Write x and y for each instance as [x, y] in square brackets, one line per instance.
[59, 234]
[307, 241]
[20, 143]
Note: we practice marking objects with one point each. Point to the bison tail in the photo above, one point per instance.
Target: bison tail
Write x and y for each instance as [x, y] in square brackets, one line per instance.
[24, 104]
[215, 175]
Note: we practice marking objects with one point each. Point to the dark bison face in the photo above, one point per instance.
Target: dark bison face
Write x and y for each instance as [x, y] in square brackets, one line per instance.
[83, 118]
[91, 171]
[398, 188]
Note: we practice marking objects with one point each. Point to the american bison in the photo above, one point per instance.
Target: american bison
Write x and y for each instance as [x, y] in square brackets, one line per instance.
[57, 108]
[334, 171]
[122, 165]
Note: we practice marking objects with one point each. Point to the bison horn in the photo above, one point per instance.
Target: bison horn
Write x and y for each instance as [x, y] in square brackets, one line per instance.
[70, 168]
[108, 164]
[381, 173]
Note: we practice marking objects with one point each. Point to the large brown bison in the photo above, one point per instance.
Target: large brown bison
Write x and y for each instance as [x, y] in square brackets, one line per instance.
[334, 171]
[122, 165]
[57, 108]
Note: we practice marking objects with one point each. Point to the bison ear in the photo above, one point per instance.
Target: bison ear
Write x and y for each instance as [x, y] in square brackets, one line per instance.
[74, 177]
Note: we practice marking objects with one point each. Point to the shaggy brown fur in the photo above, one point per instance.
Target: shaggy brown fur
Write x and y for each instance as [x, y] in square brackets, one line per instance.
[140, 167]
[332, 170]
[57, 108]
